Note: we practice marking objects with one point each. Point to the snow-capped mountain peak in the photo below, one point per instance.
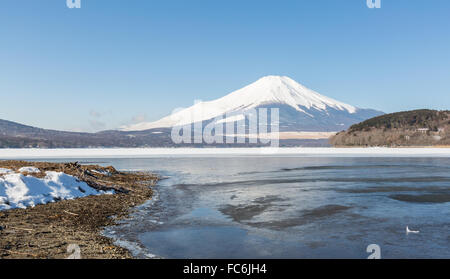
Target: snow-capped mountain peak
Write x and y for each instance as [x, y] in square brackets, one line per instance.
[275, 91]
[283, 90]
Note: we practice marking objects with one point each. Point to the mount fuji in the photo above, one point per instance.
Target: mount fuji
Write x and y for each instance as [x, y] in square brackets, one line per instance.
[300, 109]
[306, 118]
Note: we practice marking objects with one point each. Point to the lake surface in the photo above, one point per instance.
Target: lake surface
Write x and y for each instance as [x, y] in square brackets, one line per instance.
[290, 207]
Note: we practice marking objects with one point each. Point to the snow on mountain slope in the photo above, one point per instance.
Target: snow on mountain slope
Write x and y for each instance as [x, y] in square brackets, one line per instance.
[267, 91]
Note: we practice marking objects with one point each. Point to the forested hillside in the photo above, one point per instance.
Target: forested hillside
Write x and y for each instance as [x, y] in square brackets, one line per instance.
[408, 128]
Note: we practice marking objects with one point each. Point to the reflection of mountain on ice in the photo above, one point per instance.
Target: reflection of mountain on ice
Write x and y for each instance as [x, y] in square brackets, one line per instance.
[301, 109]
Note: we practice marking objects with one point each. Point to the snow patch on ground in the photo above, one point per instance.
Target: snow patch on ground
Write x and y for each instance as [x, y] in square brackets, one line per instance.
[107, 173]
[29, 170]
[5, 171]
[20, 191]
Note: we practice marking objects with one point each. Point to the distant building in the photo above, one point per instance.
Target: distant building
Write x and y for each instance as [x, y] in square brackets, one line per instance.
[423, 130]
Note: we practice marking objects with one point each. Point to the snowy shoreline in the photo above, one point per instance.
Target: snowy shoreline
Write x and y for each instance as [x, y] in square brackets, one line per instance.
[65, 203]
[19, 190]
[220, 152]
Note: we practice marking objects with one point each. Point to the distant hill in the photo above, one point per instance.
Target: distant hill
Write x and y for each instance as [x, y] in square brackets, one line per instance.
[15, 135]
[408, 128]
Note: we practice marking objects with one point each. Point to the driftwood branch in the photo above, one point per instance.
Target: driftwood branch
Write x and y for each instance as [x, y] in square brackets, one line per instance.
[23, 229]
[71, 213]
[19, 253]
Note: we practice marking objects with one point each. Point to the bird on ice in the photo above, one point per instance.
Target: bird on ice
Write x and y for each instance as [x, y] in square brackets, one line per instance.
[410, 231]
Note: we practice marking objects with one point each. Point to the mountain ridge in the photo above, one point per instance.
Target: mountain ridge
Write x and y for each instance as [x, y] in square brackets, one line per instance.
[16, 135]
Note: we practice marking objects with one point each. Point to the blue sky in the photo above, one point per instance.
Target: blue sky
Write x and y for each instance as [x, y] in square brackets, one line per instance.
[115, 62]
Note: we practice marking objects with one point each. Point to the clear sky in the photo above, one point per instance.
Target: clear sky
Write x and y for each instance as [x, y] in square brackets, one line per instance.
[114, 62]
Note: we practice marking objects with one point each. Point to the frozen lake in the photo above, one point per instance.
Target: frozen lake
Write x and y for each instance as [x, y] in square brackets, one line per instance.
[34, 153]
[289, 206]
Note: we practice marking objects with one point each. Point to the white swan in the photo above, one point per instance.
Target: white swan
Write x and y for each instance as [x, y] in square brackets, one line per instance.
[410, 231]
